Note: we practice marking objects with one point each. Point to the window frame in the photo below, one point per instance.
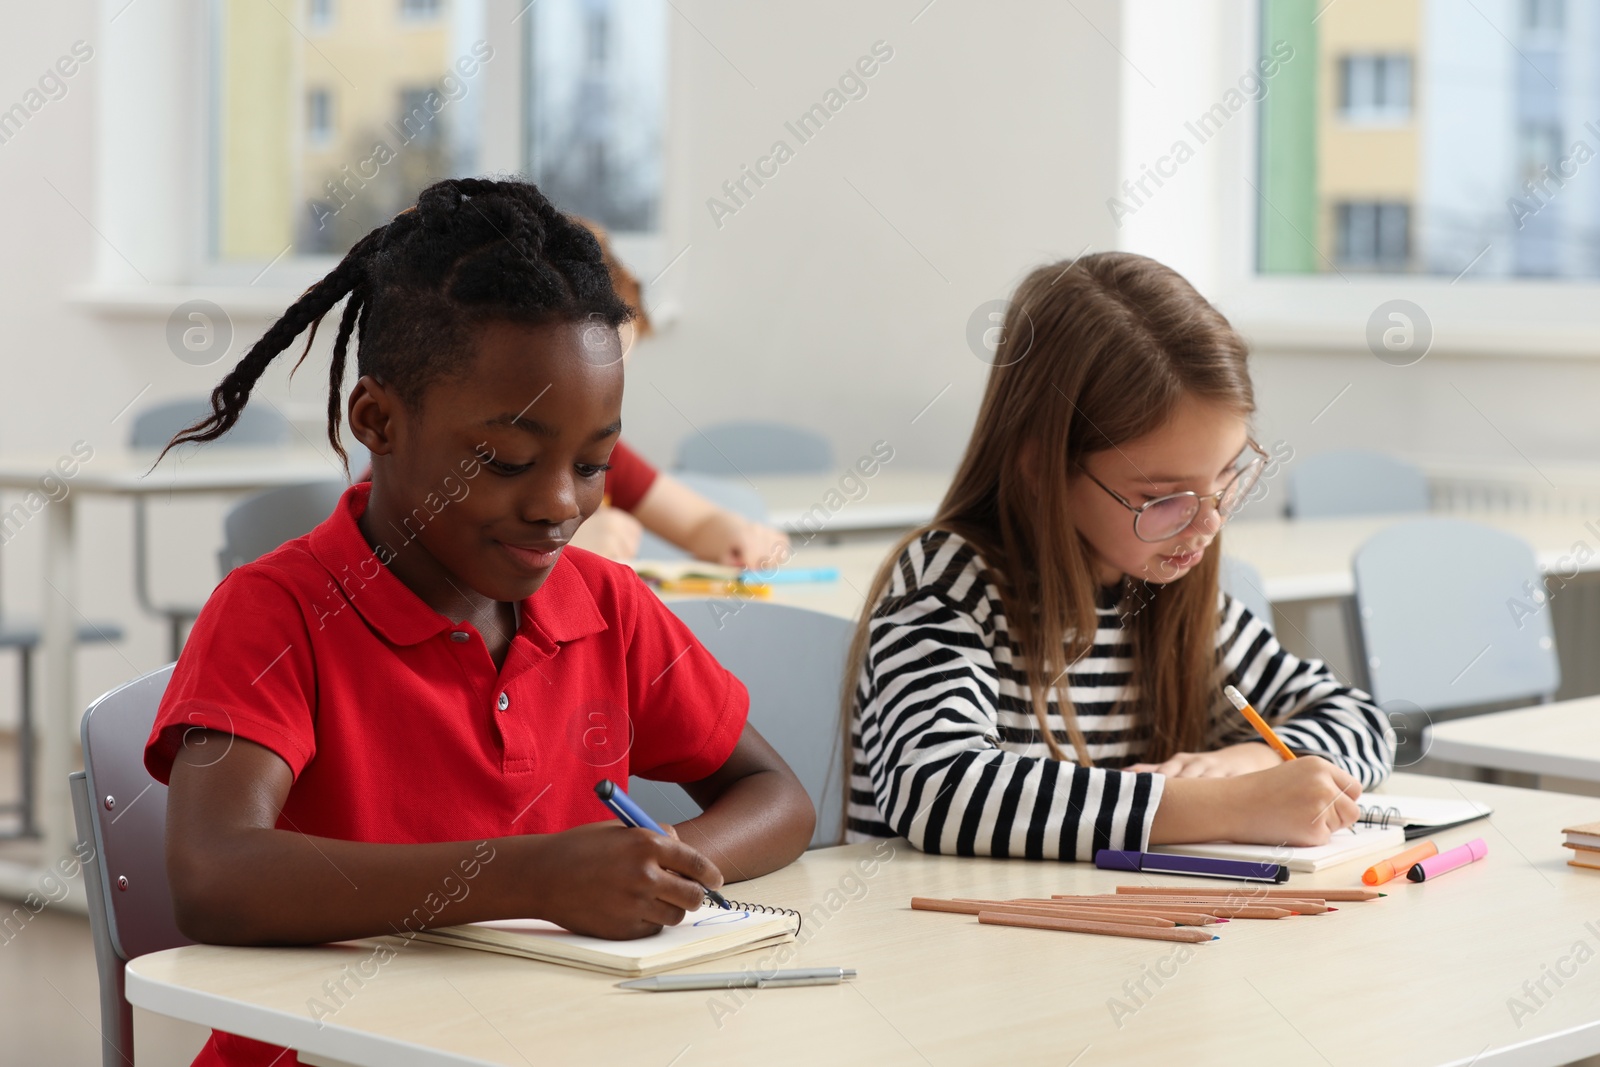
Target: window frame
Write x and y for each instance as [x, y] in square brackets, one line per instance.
[154, 251]
[1329, 313]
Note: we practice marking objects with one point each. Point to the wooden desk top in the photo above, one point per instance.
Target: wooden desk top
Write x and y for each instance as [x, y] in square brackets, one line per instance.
[1425, 975]
[1557, 739]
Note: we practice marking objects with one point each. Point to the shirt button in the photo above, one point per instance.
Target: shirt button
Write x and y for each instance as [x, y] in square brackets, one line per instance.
[505, 701]
[459, 636]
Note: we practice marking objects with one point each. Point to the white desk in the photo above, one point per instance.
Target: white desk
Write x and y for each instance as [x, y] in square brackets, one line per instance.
[1561, 739]
[1298, 560]
[1419, 977]
[893, 500]
[857, 561]
[213, 471]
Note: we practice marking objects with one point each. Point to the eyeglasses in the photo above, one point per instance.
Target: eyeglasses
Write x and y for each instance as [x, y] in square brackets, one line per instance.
[1166, 517]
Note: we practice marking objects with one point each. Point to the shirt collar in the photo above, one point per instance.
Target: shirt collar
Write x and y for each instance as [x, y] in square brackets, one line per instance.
[562, 610]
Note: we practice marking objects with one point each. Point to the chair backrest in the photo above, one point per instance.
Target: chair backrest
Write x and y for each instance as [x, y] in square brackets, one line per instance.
[121, 815]
[732, 449]
[259, 425]
[1355, 482]
[792, 661]
[1242, 581]
[727, 493]
[1437, 602]
[260, 523]
[129, 816]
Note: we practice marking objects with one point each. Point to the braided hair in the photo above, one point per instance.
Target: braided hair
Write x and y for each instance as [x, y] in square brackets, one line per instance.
[471, 251]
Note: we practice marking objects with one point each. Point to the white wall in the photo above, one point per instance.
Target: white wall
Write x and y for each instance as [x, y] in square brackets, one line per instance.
[982, 143]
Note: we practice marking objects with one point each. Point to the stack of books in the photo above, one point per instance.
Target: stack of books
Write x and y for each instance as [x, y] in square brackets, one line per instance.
[1584, 841]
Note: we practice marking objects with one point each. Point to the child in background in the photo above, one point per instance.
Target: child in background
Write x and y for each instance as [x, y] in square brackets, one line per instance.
[1041, 669]
[397, 720]
[638, 497]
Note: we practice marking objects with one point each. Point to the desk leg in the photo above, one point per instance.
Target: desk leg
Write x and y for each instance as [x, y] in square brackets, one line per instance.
[57, 732]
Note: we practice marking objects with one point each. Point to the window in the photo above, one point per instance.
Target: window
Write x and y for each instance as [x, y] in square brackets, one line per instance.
[421, 116]
[1405, 138]
[1373, 235]
[389, 105]
[1375, 88]
[594, 108]
[596, 28]
[1543, 16]
[319, 116]
[1538, 152]
[420, 10]
[323, 129]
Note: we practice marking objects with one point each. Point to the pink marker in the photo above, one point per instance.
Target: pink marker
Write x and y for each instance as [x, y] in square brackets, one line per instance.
[1459, 856]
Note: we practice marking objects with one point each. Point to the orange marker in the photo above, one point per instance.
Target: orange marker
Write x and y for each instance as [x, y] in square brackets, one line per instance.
[1257, 721]
[1395, 866]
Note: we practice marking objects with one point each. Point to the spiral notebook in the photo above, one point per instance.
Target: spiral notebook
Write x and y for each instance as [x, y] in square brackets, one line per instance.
[706, 934]
[1420, 816]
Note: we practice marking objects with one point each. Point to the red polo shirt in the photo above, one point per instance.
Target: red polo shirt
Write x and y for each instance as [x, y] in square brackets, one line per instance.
[629, 478]
[395, 721]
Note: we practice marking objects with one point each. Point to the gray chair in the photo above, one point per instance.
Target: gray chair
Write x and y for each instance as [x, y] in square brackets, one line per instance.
[260, 523]
[1433, 601]
[1242, 581]
[1355, 482]
[121, 815]
[792, 660]
[726, 493]
[735, 449]
[259, 426]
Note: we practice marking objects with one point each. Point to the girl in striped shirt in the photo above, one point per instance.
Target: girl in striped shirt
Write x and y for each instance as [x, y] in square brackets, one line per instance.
[1041, 669]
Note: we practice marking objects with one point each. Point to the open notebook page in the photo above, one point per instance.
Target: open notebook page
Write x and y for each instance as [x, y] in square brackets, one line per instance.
[704, 934]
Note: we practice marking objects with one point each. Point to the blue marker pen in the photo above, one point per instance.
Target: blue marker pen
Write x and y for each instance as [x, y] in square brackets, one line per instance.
[631, 814]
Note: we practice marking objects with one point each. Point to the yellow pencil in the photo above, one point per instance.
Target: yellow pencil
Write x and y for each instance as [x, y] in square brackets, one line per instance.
[1257, 721]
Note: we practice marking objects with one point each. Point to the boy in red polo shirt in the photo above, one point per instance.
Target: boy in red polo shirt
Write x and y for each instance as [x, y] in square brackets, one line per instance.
[397, 720]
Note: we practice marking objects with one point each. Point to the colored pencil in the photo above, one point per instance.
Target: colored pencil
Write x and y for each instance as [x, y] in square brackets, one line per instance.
[1078, 926]
[973, 907]
[1242, 891]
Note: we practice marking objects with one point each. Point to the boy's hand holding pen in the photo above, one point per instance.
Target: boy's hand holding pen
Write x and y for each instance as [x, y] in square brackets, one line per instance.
[608, 880]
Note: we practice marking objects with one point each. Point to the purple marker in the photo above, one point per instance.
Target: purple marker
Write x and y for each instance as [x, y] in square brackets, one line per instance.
[1109, 859]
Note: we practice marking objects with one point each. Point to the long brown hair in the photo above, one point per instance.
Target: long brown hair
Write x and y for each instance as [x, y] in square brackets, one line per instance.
[1094, 353]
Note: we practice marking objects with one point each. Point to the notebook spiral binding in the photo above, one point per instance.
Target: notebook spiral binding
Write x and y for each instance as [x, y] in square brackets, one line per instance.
[1379, 816]
[741, 905]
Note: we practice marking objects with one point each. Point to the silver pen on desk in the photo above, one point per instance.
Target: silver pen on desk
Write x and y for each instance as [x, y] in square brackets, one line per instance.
[669, 983]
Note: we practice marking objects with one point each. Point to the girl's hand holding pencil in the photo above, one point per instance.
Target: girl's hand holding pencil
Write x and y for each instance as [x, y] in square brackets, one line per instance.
[1300, 803]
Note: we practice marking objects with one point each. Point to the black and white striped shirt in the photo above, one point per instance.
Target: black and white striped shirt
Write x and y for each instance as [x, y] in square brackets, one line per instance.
[947, 751]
